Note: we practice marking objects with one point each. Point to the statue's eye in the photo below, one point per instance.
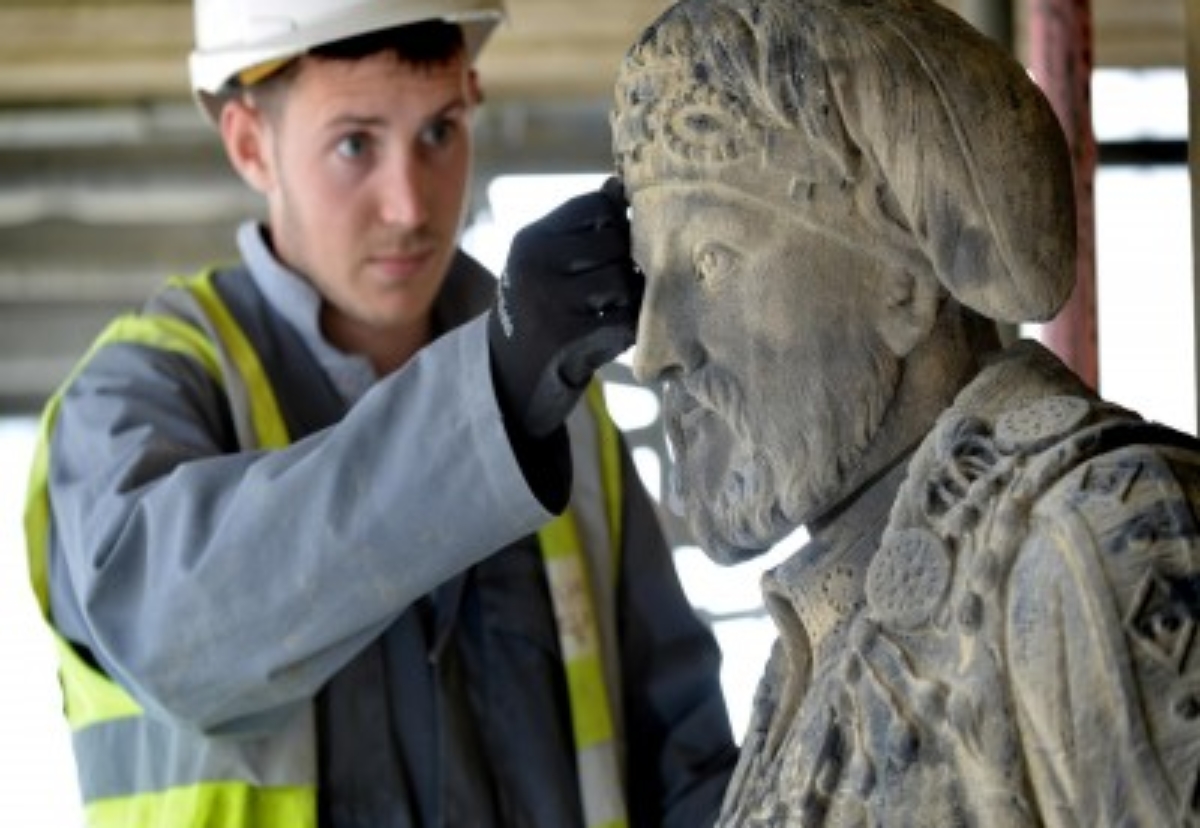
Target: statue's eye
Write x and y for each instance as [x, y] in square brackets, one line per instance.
[715, 263]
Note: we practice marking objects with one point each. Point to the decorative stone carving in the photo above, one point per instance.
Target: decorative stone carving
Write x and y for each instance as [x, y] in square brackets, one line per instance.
[994, 622]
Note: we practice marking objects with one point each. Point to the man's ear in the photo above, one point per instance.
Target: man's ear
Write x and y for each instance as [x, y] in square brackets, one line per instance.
[246, 132]
[909, 308]
[474, 88]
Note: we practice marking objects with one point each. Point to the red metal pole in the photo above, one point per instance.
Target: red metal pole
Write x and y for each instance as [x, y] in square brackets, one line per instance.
[1060, 58]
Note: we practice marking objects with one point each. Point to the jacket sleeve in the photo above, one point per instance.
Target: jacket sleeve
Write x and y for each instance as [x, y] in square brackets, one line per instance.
[680, 748]
[222, 586]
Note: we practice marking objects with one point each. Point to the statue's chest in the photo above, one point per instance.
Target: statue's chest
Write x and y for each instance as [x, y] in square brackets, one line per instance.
[893, 715]
[873, 743]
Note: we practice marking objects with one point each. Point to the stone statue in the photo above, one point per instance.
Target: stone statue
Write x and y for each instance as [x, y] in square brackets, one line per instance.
[994, 624]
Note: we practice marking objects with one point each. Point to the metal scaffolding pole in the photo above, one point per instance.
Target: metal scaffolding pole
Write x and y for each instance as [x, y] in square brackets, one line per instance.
[1193, 73]
[992, 17]
[1060, 57]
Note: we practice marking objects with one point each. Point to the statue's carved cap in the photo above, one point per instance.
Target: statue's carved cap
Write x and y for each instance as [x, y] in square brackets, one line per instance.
[937, 136]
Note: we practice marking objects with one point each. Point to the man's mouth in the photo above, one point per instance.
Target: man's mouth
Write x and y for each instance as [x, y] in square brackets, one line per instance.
[402, 263]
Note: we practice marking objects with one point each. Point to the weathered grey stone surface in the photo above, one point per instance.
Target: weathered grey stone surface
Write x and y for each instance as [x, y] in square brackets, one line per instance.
[994, 622]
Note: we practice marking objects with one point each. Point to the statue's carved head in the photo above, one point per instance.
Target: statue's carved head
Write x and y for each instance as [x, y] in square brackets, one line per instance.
[812, 182]
[927, 137]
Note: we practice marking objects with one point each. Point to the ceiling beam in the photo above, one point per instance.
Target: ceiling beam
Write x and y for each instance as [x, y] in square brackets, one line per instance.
[57, 51]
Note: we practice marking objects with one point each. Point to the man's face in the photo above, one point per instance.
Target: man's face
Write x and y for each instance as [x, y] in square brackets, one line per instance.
[775, 378]
[369, 163]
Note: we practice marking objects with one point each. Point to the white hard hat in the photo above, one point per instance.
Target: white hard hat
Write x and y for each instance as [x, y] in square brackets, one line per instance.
[233, 36]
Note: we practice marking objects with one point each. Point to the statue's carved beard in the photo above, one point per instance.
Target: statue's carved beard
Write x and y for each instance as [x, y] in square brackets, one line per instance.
[751, 467]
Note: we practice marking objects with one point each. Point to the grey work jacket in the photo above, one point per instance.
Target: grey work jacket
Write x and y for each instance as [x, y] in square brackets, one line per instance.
[382, 565]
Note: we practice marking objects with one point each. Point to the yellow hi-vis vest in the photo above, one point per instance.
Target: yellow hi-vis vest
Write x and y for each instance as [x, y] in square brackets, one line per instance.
[272, 781]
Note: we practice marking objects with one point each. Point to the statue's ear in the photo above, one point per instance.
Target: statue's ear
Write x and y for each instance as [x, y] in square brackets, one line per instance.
[909, 305]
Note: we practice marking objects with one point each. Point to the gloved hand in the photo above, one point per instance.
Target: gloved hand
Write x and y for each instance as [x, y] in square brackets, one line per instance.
[568, 302]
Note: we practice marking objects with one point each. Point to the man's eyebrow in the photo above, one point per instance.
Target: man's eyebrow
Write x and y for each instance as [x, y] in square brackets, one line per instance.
[366, 121]
[459, 102]
[360, 121]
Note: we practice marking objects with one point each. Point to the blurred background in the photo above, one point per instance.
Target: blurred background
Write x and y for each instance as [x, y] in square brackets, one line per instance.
[110, 182]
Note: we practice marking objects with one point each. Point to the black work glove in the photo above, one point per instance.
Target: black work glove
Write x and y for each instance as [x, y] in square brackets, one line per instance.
[568, 302]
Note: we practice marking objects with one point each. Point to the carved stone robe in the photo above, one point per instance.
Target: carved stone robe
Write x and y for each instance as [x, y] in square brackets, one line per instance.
[1011, 643]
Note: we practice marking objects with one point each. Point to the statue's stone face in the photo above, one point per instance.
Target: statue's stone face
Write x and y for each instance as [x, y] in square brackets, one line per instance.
[763, 331]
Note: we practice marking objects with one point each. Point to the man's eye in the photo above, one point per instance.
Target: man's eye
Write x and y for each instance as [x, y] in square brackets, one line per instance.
[352, 146]
[715, 262]
[438, 133]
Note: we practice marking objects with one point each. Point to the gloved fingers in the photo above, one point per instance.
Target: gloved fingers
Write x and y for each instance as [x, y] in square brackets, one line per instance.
[614, 189]
[549, 404]
[579, 252]
[584, 214]
[617, 297]
[587, 263]
[609, 306]
[581, 360]
[559, 386]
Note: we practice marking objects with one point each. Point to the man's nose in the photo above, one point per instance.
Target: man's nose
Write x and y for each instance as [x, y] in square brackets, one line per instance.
[404, 199]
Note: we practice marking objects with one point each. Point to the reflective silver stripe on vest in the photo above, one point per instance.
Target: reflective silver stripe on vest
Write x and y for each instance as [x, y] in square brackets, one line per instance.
[604, 804]
[179, 757]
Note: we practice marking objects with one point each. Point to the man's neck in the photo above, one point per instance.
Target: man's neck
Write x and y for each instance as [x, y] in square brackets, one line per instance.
[388, 349]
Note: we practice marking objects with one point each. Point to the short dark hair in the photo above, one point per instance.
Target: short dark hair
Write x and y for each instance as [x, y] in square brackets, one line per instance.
[426, 44]
[429, 43]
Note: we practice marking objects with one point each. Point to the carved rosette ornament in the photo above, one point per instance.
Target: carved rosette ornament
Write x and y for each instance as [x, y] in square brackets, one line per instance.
[908, 579]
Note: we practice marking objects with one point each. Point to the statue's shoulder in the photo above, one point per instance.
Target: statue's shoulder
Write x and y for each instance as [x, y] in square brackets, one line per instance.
[1050, 456]
[1130, 471]
[1103, 601]
[1063, 482]
[1124, 502]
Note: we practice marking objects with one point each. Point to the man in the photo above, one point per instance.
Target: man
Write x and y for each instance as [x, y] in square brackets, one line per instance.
[290, 523]
[993, 624]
